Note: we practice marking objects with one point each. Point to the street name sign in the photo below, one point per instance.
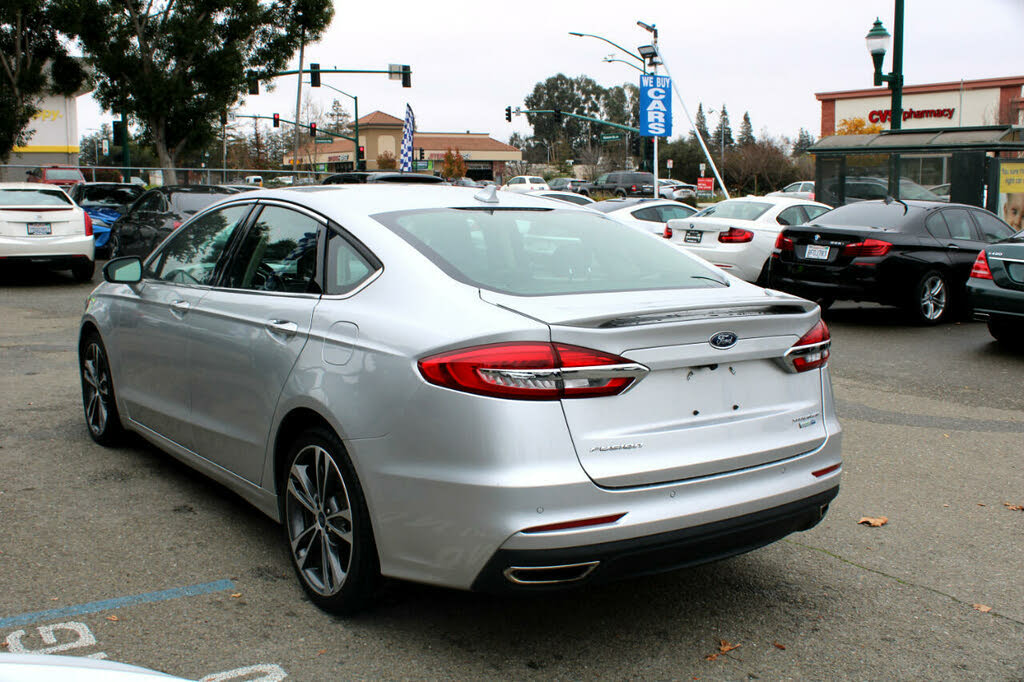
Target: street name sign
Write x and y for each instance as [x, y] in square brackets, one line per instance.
[611, 137]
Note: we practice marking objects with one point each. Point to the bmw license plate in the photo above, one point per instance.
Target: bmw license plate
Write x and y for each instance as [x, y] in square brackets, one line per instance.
[38, 228]
[816, 252]
[693, 236]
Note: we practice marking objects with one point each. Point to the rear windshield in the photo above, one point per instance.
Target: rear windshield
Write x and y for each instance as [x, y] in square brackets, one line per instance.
[546, 252]
[109, 195]
[61, 174]
[894, 216]
[738, 210]
[33, 197]
[193, 202]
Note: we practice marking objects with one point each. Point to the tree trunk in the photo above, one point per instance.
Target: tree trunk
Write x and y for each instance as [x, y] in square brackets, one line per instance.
[167, 158]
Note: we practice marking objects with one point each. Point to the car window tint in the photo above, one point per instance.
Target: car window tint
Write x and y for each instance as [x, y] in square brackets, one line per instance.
[814, 211]
[347, 268]
[674, 212]
[193, 202]
[992, 228]
[894, 216]
[192, 254]
[807, 187]
[794, 215]
[150, 202]
[651, 214]
[516, 181]
[547, 252]
[959, 223]
[34, 197]
[738, 209]
[107, 195]
[278, 253]
[537, 180]
[936, 226]
[795, 187]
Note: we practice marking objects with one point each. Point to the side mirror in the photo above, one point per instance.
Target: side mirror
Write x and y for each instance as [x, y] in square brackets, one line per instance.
[124, 270]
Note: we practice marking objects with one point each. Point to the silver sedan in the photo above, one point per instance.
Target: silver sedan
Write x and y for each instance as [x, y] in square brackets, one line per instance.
[468, 388]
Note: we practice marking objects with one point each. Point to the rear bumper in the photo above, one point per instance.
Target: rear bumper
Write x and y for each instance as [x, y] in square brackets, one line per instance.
[987, 301]
[511, 570]
[854, 282]
[47, 249]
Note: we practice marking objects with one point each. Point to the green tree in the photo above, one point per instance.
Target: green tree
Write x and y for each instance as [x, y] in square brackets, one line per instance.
[722, 137]
[176, 66]
[34, 62]
[701, 124]
[746, 131]
[804, 141]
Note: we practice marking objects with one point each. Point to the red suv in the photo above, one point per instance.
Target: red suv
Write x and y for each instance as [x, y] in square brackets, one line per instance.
[64, 176]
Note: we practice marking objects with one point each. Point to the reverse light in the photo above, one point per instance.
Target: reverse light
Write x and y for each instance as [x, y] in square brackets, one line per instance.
[532, 370]
[980, 270]
[578, 523]
[88, 225]
[811, 351]
[735, 235]
[868, 247]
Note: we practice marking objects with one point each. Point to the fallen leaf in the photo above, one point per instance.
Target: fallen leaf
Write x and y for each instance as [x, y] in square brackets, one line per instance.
[53, 598]
[778, 646]
[725, 647]
[980, 504]
[982, 608]
[945, 505]
[1014, 507]
[236, 595]
[113, 618]
[712, 657]
[945, 435]
[321, 652]
[874, 521]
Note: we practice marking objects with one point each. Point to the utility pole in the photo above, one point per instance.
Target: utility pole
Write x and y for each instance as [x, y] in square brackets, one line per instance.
[298, 102]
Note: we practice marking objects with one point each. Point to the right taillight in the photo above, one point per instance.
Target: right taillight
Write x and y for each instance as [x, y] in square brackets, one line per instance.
[667, 234]
[981, 269]
[532, 370]
[736, 235]
[868, 247]
[811, 351]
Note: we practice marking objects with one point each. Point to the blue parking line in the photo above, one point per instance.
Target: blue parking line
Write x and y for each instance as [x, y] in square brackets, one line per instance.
[117, 603]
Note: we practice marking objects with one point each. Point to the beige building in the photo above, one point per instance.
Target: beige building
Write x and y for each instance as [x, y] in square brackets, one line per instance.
[379, 133]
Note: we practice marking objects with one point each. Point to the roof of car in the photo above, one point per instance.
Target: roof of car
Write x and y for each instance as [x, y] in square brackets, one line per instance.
[38, 186]
[609, 205]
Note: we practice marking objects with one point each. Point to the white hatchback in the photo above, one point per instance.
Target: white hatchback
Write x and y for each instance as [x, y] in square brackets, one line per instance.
[525, 183]
[41, 224]
[738, 235]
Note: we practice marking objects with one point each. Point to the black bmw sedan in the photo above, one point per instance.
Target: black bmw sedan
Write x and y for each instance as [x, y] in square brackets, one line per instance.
[913, 254]
[157, 213]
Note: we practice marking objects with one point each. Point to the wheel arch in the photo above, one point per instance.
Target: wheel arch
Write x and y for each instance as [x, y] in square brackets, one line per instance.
[295, 422]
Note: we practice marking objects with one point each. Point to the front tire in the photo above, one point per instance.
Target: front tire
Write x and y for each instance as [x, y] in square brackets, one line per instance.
[83, 270]
[98, 400]
[327, 524]
[931, 300]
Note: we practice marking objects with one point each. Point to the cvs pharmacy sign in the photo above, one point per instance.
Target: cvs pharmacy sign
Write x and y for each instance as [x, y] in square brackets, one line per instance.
[655, 106]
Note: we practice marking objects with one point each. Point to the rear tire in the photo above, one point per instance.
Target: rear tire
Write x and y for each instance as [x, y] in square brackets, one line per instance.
[83, 270]
[930, 300]
[98, 399]
[621, 193]
[327, 524]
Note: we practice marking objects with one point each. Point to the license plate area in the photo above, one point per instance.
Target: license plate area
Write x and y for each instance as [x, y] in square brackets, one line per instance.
[38, 229]
[693, 236]
[815, 252]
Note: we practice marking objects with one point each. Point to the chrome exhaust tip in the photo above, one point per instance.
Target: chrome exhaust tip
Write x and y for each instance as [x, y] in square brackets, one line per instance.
[549, 575]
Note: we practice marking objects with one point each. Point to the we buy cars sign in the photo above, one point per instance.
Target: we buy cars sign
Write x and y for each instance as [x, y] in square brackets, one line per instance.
[655, 106]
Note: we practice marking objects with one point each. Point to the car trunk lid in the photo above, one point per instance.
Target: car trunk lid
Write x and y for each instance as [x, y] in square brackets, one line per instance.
[40, 221]
[700, 410]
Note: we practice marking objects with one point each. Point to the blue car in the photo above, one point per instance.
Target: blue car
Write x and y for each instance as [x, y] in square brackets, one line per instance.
[105, 202]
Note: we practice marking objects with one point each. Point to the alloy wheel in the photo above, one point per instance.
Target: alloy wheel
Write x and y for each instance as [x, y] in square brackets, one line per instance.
[933, 297]
[319, 519]
[96, 375]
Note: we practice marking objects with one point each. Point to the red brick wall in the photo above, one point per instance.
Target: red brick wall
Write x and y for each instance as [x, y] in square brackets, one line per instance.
[828, 117]
[1010, 104]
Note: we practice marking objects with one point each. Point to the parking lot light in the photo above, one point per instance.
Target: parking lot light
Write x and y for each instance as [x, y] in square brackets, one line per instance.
[878, 40]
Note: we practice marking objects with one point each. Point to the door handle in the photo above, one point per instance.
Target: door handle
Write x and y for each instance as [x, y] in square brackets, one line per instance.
[180, 308]
[282, 327]
[952, 246]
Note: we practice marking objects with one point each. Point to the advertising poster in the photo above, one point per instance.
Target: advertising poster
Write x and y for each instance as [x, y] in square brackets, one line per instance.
[655, 106]
[1011, 193]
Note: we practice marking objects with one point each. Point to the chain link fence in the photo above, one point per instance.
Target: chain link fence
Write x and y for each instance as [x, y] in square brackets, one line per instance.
[185, 176]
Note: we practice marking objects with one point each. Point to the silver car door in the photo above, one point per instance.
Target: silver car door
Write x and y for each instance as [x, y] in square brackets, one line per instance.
[248, 333]
[153, 325]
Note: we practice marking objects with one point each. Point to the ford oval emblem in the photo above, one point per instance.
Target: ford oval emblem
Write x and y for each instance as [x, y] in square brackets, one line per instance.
[723, 340]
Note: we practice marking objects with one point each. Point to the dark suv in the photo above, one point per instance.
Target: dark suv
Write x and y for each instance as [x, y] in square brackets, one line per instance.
[622, 184]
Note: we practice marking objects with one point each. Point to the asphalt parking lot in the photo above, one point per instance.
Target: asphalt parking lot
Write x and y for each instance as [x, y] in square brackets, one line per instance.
[127, 554]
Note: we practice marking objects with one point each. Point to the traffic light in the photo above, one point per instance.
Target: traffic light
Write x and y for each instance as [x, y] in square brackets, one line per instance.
[634, 145]
[254, 86]
[508, 114]
[406, 76]
[119, 133]
[558, 116]
[312, 130]
[422, 154]
[223, 118]
[362, 153]
[314, 75]
[277, 120]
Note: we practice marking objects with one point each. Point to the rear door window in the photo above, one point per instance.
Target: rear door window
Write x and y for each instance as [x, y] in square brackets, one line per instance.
[960, 224]
[651, 214]
[936, 226]
[992, 228]
[794, 215]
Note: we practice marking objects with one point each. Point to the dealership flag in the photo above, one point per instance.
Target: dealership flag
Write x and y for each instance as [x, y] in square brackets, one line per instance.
[407, 131]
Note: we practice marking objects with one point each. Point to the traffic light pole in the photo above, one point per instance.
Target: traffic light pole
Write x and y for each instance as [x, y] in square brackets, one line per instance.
[579, 116]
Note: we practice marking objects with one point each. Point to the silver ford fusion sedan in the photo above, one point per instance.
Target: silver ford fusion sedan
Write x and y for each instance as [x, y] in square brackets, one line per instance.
[465, 387]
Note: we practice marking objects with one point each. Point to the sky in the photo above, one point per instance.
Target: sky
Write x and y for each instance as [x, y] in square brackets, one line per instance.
[472, 59]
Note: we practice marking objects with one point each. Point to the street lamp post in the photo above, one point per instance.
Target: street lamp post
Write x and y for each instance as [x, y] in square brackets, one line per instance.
[634, 55]
[355, 122]
[877, 41]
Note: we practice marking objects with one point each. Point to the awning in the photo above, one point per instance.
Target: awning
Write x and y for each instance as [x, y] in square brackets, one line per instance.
[918, 140]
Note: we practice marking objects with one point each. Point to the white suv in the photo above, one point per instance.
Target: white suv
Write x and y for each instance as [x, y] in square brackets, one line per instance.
[525, 183]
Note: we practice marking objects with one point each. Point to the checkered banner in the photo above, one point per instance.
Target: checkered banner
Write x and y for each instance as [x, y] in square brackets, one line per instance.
[405, 163]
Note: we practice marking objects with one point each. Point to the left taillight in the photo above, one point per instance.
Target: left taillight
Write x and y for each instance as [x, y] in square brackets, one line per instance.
[811, 351]
[667, 234]
[88, 225]
[532, 371]
[980, 270]
[735, 235]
